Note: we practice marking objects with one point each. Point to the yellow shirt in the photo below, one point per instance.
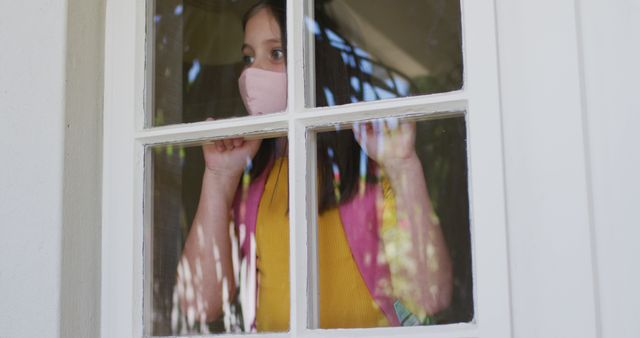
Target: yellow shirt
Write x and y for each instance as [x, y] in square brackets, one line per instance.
[345, 301]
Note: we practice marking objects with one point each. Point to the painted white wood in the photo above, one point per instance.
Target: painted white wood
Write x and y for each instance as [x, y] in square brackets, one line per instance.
[547, 192]
[437, 105]
[437, 331]
[124, 67]
[32, 135]
[486, 180]
[432, 104]
[309, 55]
[140, 81]
[140, 241]
[81, 200]
[261, 335]
[146, 119]
[249, 126]
[298, 166]
[295, 55]
[298, 236]
[313, 282]
[610, 55]
[148, 170]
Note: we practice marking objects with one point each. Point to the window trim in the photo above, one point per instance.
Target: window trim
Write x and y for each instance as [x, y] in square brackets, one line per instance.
[123, 170]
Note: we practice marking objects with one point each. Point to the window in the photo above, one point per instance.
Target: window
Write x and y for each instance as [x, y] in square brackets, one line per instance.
[150, 143]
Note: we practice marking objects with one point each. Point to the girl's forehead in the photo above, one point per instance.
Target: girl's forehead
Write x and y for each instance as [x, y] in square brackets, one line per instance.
[262, 26]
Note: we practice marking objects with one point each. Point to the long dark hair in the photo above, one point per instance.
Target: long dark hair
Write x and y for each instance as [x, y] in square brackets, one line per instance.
[337, 148]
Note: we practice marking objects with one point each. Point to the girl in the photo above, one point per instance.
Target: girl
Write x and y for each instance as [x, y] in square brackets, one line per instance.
[381, 249]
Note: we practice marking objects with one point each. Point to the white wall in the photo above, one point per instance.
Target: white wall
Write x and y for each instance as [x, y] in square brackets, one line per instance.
[546, 181]
[611, 52]
[32, 74]
[50, 104]
[569, 73]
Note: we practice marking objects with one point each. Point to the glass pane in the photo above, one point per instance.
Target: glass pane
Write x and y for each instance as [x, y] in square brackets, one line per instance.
[365, 50]
[393, 224]
[204, 254]
[201, 50]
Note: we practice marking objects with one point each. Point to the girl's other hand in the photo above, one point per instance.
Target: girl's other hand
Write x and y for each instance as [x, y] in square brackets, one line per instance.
[228, 157]
[388, 142]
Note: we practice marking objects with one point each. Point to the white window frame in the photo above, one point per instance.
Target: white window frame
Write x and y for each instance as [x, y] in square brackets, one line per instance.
[123, 171]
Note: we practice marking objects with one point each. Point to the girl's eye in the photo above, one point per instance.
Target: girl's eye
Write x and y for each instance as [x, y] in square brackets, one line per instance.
[248, 60]
[277, 54]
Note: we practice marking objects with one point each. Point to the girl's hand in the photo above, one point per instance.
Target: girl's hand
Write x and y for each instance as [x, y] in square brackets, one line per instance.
[388, 142]
[228, 157]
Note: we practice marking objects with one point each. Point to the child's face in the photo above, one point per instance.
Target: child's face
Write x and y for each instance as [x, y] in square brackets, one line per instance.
[263, 44]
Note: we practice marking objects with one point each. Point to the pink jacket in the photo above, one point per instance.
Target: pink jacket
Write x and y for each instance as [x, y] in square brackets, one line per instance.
[361, 225]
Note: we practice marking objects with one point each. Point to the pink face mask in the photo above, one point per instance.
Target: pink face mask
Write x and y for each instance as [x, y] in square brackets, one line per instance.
[263, 91]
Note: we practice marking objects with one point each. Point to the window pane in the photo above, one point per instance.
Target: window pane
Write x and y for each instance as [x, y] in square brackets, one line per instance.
[198, 59]
[393, 224]
[368, 50]
[216, 225]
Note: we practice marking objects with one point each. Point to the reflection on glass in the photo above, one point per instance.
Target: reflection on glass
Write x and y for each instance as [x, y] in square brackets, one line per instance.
[368, 50]
[199, 54]
[217, 249]
[393, 224]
